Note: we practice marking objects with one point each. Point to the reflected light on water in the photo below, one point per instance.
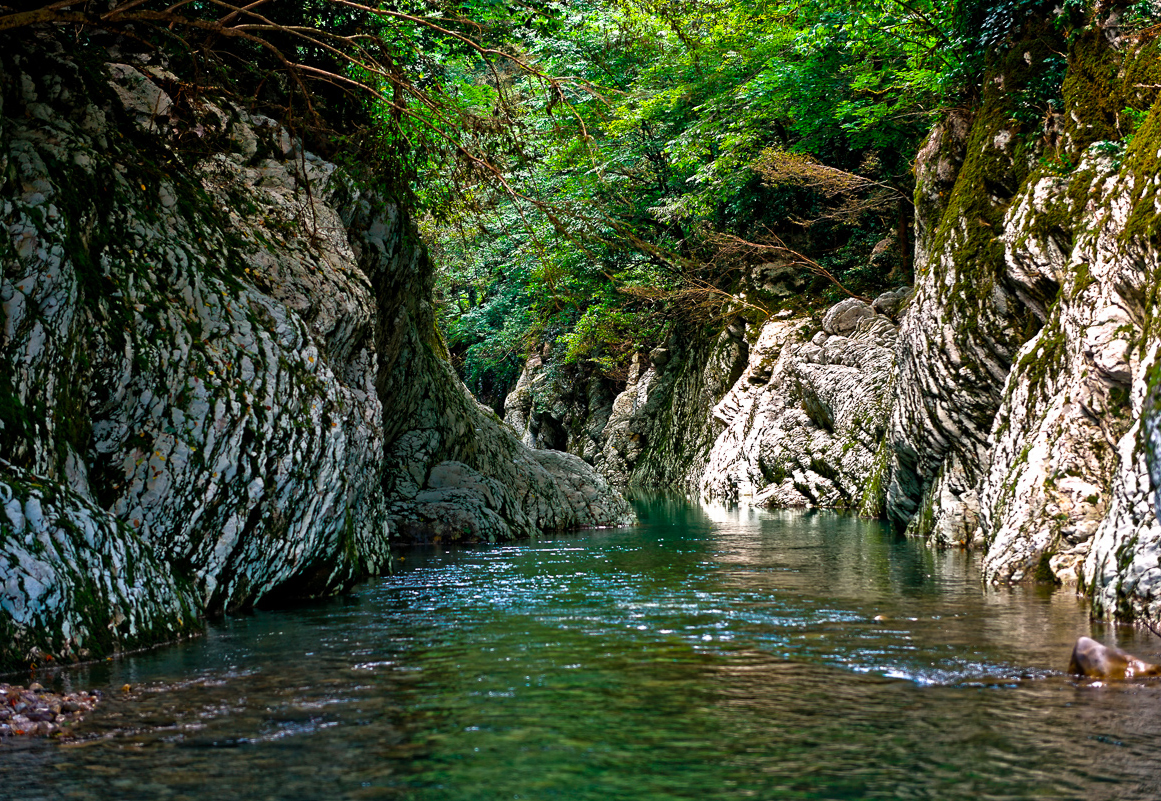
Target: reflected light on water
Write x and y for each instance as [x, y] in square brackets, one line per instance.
[706, 654]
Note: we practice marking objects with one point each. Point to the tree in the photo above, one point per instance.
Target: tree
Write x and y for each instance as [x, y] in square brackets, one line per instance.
[386, 72]
[670, 172]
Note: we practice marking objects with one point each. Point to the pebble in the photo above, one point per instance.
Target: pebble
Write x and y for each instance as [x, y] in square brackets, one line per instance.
[37, 712]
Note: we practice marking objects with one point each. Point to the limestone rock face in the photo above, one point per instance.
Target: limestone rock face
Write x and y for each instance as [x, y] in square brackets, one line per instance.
[1070, 493]
[661, 428]
[1068, 400]
[963, 324]
[630, 420]
[219, 375]
[76, 582]
[563, 410]
[1035, 320]
[843, 318]
[189, 349]
[796, 419]
[804, 424]
[453, 469]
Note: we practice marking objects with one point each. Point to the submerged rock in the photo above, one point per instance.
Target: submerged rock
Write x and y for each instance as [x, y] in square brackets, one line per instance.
[36, 712]
[1093, 660]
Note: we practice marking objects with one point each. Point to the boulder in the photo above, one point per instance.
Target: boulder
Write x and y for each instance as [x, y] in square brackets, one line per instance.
[844, 317]
[1093, 660]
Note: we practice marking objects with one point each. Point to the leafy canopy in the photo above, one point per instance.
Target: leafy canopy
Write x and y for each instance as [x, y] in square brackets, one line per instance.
[632, 173]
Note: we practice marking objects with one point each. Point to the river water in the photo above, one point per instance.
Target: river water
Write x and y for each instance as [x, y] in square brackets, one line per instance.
[702, 655]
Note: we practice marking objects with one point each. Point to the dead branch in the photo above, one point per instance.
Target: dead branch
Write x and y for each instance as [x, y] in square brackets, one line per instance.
[734, 247]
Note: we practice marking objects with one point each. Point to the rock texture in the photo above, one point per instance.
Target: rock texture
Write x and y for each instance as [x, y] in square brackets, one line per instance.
[961, 329]
[75, 581]
[1068, 399]
[1016, 407]
[795, 419]
[564, 409]
[804, 425]
[219, 376]
[661, 428]
[453, 469]
[1025, 390]
[187, 347]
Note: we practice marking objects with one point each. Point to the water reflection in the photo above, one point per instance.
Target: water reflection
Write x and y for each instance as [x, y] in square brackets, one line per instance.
[706, 655]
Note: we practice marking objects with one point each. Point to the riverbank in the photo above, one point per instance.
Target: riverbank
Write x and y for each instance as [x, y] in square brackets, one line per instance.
[33, 711]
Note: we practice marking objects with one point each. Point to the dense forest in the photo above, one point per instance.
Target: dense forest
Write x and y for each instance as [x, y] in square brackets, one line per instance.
[590, 174]
[678, 144]
[682, 144]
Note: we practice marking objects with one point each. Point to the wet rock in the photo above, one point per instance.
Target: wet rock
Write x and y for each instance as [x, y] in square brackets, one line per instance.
[1093, 660]
[41, 713]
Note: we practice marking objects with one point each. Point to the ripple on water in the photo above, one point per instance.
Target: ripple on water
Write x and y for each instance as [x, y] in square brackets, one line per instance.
[745, 656]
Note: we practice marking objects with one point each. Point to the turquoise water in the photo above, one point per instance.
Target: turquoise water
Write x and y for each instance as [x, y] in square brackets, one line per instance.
[699, 656]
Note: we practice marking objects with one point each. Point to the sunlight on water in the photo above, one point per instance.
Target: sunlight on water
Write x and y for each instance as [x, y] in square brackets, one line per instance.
[703, 655]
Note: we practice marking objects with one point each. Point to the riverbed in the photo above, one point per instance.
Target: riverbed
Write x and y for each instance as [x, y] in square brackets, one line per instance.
[705, 654]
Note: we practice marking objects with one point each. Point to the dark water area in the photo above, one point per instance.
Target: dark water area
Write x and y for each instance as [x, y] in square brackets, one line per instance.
[702, 655]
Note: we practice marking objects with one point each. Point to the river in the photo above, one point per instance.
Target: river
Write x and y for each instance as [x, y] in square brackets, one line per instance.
[702, 655]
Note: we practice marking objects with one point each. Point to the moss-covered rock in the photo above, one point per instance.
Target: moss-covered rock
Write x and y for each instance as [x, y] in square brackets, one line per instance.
[222, 344]
[75, 582]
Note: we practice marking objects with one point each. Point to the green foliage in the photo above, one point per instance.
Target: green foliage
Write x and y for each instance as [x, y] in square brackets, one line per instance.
[634, 167]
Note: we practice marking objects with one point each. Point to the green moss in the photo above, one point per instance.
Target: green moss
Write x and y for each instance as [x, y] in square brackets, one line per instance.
[806, 492]
[1047, 357]
[1091, 91]
[1105, 87]
[1082, 279]
[16, 425]
[70, 410]
[89, 605]
[1042, 573]
[995, 167]
[773, 473]
[873, 502]
[1144, 164]
[923, 524]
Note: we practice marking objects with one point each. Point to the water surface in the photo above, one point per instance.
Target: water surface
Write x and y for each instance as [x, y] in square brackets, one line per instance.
[702, 655]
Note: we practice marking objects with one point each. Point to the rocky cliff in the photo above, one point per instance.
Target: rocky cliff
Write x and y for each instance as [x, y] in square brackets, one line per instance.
[1009, 402]
[1027, 358]
[220, 381]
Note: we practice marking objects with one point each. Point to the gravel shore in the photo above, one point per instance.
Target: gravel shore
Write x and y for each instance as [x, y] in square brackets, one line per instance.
[36, 712]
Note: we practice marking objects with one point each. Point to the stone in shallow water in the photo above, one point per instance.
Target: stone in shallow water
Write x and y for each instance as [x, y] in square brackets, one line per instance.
[1093, 660]
[37, 712]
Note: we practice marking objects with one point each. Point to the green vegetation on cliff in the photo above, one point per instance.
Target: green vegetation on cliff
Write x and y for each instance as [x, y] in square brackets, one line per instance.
[692, 142]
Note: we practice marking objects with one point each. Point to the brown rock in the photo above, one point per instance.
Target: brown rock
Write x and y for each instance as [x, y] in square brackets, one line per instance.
[1093, 660]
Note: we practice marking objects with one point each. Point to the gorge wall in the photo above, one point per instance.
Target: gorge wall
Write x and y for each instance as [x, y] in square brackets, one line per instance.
[1009, 401]
[220, 380]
